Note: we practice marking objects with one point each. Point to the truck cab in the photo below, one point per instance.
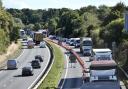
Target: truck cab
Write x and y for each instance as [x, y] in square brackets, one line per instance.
[86, 46]
[101, 54]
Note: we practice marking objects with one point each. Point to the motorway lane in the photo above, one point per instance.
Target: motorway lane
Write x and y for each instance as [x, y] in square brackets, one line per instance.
[73, 78]
[12, 79]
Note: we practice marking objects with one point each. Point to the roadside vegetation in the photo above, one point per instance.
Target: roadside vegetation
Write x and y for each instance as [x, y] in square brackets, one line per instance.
[53, 77]
[8, 29]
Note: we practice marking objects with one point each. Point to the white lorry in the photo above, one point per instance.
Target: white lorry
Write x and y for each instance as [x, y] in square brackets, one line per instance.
[86, 46]
[103, 75]
[101, 54]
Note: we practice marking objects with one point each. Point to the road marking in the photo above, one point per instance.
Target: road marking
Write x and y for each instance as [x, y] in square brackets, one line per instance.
[65, 73]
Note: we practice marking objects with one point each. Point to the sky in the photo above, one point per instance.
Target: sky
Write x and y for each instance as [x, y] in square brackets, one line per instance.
[45, 4]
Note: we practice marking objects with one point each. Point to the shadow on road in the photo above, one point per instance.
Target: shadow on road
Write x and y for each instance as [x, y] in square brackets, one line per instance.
[71, 83]
[17, 76]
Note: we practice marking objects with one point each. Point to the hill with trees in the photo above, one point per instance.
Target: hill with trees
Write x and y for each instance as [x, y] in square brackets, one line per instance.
[8, 28]
[104, 24]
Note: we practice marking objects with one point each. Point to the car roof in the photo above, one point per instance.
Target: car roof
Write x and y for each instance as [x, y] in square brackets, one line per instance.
[102, 50]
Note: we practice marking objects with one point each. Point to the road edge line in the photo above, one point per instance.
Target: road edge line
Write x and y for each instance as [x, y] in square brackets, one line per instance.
[65, 73]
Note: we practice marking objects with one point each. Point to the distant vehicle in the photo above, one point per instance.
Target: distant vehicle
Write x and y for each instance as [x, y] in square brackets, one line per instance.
[67, 41]
[71, 41]
[44, 32]
[101, 54]
[103, 75]
[39, 57]
[42, 44]
[52, 37]
[27, 71]
[86, 46]
[37, 37]
[77, 43]
[11, 64]
[30, 43]
[36, 63]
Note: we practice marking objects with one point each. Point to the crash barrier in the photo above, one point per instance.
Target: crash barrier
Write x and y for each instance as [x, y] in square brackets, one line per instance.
[81, 62]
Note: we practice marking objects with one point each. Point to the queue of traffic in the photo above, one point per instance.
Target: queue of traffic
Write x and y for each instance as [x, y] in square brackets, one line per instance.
[103, 71]
[36, 40]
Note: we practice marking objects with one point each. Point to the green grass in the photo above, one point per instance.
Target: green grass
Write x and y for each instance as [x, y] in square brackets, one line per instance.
[52, 79]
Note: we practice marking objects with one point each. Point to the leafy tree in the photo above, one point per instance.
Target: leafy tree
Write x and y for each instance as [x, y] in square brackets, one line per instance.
[115, 13]
[37, 26]
[52, 24]
[113, 32]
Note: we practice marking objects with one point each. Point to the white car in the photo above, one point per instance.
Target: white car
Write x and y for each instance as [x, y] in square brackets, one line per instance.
[42, 44]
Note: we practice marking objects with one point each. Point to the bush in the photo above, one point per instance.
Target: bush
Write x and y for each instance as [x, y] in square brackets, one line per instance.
[4, 41]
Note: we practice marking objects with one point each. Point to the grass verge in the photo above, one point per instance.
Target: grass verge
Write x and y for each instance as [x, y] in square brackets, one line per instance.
[17, 52]
[53, 77]
[12, 56]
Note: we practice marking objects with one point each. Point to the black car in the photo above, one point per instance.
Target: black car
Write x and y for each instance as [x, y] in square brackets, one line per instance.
[39, 57]
[27, 71]
[36, 64]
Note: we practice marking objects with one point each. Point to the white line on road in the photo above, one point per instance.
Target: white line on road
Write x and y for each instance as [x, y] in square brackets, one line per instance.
[65, 73]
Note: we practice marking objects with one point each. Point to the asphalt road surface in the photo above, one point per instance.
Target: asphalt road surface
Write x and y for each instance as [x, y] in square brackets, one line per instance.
[72, 74]
[12, 79]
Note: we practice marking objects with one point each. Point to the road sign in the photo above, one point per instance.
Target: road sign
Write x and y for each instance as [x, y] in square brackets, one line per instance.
[126, 22]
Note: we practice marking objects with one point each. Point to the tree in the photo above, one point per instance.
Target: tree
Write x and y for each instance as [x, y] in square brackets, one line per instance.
[113, 32]
[115, 13]
[103, 11]
[52, 24]
[70, 22]
[37, 26]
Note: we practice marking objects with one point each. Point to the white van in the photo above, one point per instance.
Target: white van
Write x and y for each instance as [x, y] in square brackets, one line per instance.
[11, 64]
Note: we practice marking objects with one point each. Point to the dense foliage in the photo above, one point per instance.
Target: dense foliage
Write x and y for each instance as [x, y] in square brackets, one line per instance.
[8, 27]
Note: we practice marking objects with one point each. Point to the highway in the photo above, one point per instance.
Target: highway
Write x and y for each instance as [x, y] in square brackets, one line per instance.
[12, 79]
[73, 78]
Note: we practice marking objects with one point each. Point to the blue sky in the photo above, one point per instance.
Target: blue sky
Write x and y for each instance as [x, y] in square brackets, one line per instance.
[44, 4]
